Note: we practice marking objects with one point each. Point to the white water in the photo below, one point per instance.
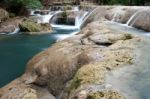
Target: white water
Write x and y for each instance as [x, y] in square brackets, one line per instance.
[132, 19]
[76, 8]
[64, 36]
[114, 17]
[47, 18]
[42, 18]
[14, 32]
[133, 81]
[79, 20]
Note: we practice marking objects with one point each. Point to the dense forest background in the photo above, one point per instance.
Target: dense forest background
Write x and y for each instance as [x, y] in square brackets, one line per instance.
[122, 2]
[20, 6]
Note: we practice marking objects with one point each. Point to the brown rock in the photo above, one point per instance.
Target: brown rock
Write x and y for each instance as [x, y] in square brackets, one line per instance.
[29, 26]
[18, 90]
[77, 65]
[10, 25]
[3, 15]
[142, 20]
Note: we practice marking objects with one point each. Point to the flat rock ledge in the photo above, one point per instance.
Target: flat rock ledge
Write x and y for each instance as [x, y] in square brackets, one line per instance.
[75, 68]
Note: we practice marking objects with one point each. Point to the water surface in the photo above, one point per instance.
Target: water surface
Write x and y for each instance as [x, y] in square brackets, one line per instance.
[17, 49]
[133, 81]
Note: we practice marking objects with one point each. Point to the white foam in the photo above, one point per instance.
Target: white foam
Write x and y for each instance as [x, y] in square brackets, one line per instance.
[60, 37]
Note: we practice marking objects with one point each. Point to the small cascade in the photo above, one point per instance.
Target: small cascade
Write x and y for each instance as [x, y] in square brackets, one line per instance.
[132, 19]
[44, 18]
[79, 19]
[76, 8]
[15, 31]
[61, 37]
[114, 17]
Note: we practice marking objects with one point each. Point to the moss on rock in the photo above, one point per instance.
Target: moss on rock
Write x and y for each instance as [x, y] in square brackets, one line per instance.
[106, 94]
[29, 25]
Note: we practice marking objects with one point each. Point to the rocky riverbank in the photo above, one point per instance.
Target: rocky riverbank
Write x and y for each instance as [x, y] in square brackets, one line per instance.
[135, 16]
[29, 26]
[75, 68]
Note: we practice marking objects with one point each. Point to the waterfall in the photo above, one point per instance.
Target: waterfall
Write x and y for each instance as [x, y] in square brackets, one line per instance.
[132, 19]
[15, 31]
[64, 36]
[114, 17]
[76, 8]
[44, 18]
[80, 20]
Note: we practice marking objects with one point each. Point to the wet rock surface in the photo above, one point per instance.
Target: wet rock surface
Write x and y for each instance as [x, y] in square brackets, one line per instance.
[134, 16]
[75, 68]
[10, 25]
[142, 20]
[18, 90]
[4, 15]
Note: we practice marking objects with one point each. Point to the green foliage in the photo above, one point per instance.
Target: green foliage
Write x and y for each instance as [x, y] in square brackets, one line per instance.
[29, 4]
[11, 15]
[30, 26]
[32, 4]
[122, 2]
[64, 16]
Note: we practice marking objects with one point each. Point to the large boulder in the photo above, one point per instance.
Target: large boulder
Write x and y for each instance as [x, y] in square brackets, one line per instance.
[90, 78]
[115, 13]
[4, 15]
[142, 20]
[10, 25]
[31, 27]
[18, 90]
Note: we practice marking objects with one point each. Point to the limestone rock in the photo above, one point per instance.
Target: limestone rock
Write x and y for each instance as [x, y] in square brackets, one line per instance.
[77, 65]
[10, 25]
[31, 27]
[142, 20]
[18, 90]
[3, 15]
[106, 94]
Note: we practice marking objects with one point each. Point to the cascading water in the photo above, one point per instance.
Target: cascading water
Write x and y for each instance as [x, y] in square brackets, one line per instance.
[15, 31]
[132, 19]
[42, 18]
[80, 20]
[114, 17]
[76, 8]
[80, 17]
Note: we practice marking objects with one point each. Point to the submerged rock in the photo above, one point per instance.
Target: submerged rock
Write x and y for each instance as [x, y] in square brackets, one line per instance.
[31, 27]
